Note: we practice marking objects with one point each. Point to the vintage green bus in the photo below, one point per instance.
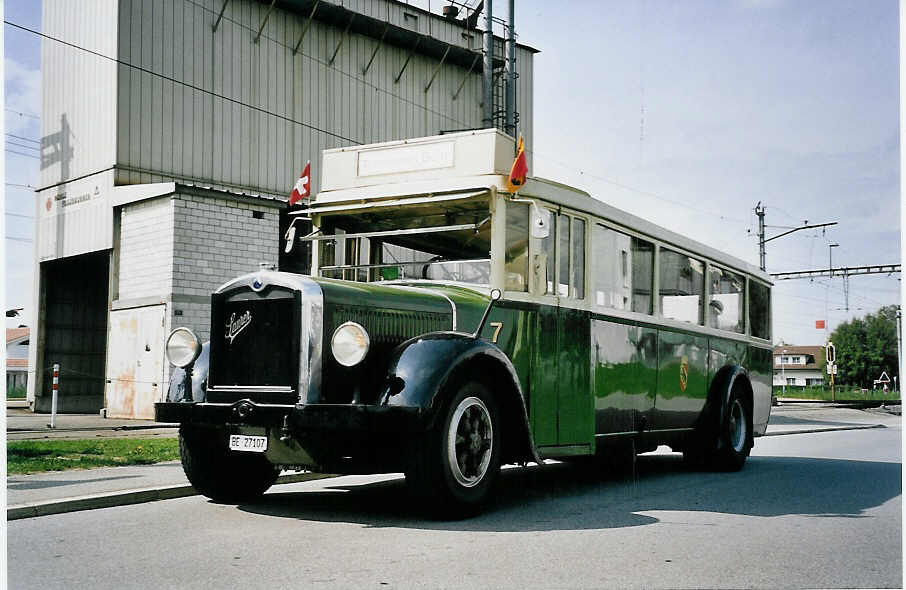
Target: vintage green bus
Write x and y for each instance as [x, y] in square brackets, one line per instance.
[448, 326]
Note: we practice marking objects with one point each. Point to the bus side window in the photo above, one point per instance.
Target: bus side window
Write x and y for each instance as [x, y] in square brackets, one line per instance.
[543, 263]
[682, 284]
[516, 250]
[563, 253]
[727, 305]
[577, 277]
[760, 310]
[642, 275]
[612, 277]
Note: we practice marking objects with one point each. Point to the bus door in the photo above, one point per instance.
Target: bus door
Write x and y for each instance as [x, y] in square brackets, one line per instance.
[562, 407]
[561, 404]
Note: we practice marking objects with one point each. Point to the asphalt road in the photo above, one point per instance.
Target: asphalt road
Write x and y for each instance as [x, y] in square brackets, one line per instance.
[817, 510]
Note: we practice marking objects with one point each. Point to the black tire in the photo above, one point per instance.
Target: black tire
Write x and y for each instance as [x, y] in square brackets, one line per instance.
[456, 465]
[728, 446]
[735, 439]
[216, 472]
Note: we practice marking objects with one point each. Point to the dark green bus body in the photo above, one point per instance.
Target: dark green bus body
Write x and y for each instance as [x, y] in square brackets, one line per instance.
[446, 328]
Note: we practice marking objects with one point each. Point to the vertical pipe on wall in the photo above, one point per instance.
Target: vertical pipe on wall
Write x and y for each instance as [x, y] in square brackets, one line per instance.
[511, 73]
[488, 74]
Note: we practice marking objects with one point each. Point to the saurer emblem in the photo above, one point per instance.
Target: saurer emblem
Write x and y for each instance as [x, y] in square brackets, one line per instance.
[235, 325]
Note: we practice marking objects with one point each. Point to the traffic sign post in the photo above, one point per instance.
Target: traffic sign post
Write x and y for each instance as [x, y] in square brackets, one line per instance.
[830, 353]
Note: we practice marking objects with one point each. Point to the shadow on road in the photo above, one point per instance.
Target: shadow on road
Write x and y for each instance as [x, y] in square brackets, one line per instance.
[44, 484]
[568, 497]
[791, 420]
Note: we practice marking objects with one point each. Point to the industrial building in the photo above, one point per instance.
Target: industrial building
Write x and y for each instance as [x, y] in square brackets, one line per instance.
[172, 132]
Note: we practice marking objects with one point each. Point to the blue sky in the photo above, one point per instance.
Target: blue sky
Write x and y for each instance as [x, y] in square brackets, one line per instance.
[685, 113]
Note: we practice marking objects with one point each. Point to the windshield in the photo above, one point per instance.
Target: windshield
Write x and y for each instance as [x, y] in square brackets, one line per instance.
[437, 241]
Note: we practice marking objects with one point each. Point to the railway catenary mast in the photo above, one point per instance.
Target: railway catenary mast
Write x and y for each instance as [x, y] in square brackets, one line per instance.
[172, 133]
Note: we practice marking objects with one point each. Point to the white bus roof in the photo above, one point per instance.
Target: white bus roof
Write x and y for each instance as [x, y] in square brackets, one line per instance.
[462, 166]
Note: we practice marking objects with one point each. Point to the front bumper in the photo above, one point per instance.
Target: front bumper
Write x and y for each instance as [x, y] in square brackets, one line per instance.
[300, 418]
[330, 438]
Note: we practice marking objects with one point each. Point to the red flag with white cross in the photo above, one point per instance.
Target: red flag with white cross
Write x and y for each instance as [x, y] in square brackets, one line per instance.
[302, 189]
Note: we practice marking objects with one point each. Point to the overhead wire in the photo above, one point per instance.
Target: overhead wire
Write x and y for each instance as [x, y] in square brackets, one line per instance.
[634, 189]
[185, 84]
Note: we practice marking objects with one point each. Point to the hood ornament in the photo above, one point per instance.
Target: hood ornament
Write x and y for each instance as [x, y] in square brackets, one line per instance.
[235, 325]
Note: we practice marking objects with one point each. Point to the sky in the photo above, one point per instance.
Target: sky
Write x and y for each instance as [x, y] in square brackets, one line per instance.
[684, 113]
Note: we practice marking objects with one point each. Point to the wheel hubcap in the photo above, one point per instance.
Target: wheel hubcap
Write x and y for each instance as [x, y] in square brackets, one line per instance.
[470, 442]
[738, 426]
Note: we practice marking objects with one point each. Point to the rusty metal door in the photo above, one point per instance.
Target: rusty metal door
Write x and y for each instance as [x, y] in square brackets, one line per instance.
[135, 361]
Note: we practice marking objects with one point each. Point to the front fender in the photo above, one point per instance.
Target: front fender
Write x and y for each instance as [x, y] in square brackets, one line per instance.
[421, 368]
[178, 392]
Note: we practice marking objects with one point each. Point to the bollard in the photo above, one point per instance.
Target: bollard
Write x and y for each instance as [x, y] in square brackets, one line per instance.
[53, 399]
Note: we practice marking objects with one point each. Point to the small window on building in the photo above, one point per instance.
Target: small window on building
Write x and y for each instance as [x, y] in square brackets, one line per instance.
[791, 381]
[760, 310]
[726, 310]
[682, 282]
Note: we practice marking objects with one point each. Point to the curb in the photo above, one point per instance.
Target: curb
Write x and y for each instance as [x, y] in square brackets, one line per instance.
[124, 498]
[828, 429]
[94, 428]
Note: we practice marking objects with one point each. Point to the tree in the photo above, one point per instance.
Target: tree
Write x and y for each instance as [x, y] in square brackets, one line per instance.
[866, 347]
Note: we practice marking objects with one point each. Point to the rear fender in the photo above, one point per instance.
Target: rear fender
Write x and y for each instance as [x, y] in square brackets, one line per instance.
[421, 369]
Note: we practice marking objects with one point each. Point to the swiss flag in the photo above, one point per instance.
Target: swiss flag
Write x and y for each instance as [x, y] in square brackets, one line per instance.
[302, 190]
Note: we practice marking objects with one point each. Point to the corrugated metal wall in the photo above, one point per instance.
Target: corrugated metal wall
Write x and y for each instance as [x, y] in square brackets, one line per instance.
[78, 101]
[217, 108]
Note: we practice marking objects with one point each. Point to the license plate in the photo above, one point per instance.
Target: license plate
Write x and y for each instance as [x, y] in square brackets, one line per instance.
[252, 444]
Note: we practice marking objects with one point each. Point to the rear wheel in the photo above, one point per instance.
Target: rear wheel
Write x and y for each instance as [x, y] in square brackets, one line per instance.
[734, 443]
[457, 463]
[220, 474]
[728, 449]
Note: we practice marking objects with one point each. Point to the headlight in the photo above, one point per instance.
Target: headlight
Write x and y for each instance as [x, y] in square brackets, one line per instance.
[350, 344]
[182, 347]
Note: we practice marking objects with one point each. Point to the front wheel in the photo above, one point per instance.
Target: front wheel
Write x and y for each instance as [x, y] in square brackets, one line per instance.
[456, 465]
[220, 474]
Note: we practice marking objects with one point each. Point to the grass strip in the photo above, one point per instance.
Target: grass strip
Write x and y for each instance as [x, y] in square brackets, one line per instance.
[842, 394]
[33, 456]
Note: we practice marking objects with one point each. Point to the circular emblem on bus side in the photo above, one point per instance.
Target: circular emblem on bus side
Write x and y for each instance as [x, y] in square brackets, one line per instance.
[684, 373]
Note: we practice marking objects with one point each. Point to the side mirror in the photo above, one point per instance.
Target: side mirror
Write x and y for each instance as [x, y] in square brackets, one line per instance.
[496, 294]
[290, 239]
[541, 222]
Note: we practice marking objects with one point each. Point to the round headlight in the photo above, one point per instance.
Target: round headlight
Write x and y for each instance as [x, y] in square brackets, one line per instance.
[350, 344]
[182, 347]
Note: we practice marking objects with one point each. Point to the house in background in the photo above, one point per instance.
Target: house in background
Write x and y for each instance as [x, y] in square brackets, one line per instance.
[16, 357]
[798, 366]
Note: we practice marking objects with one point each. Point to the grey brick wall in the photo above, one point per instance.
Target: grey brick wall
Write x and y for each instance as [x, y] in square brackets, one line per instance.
[215, 240]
